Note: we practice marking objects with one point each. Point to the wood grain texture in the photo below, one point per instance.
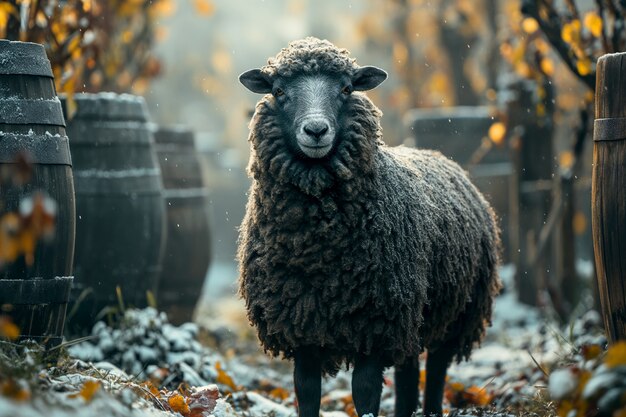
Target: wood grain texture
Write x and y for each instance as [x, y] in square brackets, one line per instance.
[32, 126]
[119, 205]
[608, 197]
[188, 245]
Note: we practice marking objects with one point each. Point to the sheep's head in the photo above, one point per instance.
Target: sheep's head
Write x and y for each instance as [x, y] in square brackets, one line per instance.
[311, 82]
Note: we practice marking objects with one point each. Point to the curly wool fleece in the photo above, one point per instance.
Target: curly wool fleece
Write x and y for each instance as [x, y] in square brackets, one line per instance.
[374, 250]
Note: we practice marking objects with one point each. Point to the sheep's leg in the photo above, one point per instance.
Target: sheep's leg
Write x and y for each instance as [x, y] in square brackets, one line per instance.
[436, 367]
[407, 377]
[307, 380]
[367, 385]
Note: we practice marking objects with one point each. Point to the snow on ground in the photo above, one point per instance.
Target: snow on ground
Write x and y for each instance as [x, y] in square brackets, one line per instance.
[507, 370]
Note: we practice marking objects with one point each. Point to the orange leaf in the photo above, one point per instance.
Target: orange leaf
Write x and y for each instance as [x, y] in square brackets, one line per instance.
[280, 393]
[178, 404]
[477, 396]
[15, 390]
[616, 355]
[8, 329]
[88, 390]
[497, 131]
[224, 378]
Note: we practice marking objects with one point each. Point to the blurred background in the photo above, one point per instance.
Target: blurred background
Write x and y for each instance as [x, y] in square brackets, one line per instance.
[504, 88]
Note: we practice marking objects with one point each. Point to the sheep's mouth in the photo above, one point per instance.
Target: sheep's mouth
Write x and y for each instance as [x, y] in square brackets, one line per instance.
[316, 151]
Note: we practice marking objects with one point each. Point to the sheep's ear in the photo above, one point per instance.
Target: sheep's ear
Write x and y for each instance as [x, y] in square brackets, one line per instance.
[367, 78]
[256, 81]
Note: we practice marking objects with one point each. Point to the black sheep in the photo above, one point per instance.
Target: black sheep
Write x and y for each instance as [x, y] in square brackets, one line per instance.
[351, 251]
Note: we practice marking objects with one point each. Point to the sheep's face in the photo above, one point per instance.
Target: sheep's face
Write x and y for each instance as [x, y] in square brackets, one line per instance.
[311, 106]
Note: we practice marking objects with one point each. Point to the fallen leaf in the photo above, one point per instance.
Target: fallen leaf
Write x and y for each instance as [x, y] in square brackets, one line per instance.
[616, 355]
[89, 389]
[178, 404]
[15, 390]
[224, 378]
[589, 352]
[280, 393]
[202, 400]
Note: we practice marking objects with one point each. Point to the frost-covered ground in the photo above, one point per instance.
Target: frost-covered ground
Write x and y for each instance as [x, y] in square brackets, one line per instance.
[144, 366]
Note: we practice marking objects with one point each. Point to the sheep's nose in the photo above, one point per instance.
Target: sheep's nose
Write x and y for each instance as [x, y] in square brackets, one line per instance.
[316, 128]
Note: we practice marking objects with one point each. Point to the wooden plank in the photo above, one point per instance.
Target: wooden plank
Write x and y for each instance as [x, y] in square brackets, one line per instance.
[607, 196]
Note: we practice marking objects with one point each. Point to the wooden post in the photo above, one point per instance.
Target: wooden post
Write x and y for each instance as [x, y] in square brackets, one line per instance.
[533, 161]
[608, 198]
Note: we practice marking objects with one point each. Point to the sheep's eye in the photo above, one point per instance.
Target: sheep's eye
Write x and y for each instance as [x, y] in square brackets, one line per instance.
[347, 90]
[279, 92]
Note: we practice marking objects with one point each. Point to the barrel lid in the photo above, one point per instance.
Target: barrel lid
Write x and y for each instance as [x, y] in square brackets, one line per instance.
[108, 106]
[23, 58]
[177, 134]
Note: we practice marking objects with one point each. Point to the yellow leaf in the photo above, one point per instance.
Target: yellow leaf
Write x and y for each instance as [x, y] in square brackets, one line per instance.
[497, 131]
[584, 66]
[224, 378]
[593, 23]
[571, 32]
[204, 7]
[616, 355]
[8, 329]
[178, 404]
[547, 66]
[530, 25]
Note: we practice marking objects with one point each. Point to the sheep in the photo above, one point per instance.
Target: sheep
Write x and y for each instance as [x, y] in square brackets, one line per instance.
[352, 252]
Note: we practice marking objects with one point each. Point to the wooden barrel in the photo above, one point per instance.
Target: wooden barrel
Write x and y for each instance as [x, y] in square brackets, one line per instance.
[119, 206]
[188, 245]
[461, 134]
[37, 307]
[32, 125]
[32, 128]
[608, 199]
